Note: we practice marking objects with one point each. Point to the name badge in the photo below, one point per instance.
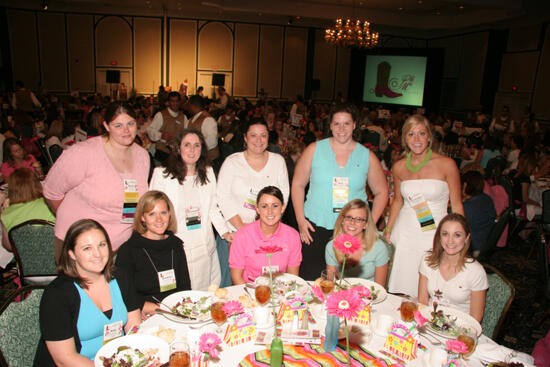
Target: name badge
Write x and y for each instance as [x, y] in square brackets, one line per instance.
[423, 212]
[274, 269]
[167, 280]
[250, 201]
[131, 198]
[193, 218]
[112, 331]
[340, 193]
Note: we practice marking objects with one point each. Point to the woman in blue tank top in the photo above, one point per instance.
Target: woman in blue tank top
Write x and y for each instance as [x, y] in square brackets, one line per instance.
[338, 170]
[88, 304]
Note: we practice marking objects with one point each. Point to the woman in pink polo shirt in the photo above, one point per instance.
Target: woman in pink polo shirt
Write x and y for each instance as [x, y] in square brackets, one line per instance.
[244, 262]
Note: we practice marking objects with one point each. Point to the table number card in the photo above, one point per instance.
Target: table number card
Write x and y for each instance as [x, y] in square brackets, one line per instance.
[240, 331]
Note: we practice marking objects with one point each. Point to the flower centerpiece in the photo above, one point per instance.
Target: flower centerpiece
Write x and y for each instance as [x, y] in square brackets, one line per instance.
[276, 348]
[209, 346]
[347, 244]
[232, 308]
[345, 304]
[455, 348]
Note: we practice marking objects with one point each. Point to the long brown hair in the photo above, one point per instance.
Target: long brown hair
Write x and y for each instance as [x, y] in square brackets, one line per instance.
[24, 186]
[67, 265]
[370, 234]
[436, 253]
[8, 143]
[175, 166]
[147, 203]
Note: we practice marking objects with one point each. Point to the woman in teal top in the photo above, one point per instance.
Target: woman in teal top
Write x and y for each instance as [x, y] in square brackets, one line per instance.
[88, 304]
[337, 170]
[26, 202]
[371, 261]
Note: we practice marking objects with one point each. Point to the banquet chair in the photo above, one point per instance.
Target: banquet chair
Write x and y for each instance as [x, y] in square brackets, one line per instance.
[54, 152]
[499, 298]
[19, 322]
[490, 244]
[507, 184]
[32, 245]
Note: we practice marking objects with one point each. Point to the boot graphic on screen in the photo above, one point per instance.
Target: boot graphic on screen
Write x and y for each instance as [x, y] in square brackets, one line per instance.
[382, 78]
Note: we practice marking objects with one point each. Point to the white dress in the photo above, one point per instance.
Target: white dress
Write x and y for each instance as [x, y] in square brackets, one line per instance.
[410, 241]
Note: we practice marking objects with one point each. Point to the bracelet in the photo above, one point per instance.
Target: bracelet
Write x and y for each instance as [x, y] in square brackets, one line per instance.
[388, 229]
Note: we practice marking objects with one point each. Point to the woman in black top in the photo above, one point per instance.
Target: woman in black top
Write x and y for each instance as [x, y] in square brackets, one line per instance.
[153, 256]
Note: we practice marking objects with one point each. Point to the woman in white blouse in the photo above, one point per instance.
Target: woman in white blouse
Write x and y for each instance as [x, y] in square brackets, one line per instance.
[189, 182]
[244, 174]
[448, 274]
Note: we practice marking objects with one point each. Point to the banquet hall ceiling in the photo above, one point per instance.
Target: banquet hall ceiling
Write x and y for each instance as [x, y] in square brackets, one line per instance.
[415, 14]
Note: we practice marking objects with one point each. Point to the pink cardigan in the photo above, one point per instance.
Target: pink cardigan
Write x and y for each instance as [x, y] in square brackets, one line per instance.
[91, 187]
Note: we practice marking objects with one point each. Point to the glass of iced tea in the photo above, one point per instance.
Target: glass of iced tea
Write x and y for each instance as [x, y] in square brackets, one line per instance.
[218, 314]
[328, 281]
[408, 307]
[179, 355]
[469, 338]
[262, 293]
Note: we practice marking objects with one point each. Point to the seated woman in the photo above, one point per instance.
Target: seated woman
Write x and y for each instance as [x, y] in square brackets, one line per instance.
[87, 298]
[448, 274]
[153, 256]
[26, 202]
[245, 263]
[371, 261]
[16, 157]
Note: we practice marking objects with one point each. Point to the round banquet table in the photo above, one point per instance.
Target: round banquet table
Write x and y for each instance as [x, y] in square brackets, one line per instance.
[487, 350]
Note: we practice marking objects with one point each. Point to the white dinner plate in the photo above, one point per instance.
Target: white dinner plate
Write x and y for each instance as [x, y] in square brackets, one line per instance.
[291, 285]
[135, 341]
[463, 320]
[381, 293]
[169, 302]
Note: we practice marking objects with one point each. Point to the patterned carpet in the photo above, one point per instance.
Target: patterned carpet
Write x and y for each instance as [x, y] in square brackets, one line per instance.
[526, 322]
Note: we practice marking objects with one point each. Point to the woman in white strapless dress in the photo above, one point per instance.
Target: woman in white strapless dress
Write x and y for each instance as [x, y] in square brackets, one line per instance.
[424, 182]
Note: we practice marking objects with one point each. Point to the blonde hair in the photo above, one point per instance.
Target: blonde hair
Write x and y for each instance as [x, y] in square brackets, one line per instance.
[370, 234]
[147, 203]
[409, 124]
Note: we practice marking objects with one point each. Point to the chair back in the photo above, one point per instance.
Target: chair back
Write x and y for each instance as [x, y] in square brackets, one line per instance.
[508, 186]
[32, 244]
[19, 322]
[54, 152]
[491, 241]
[543, 258]
[391, 253]
[546, 207]
[499, 297]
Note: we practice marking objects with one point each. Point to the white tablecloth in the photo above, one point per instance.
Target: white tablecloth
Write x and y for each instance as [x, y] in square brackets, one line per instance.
[487, 350]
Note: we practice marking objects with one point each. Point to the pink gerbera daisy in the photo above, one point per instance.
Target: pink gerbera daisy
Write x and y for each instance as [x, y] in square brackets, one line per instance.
[317, 292]
[347, 243]
[345, 304]
[456, 346]
[208, 343]
[363, 292]
[269, 249]
[232, 307]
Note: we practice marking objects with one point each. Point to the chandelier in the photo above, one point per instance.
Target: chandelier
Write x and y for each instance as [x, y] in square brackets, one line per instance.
[351, 33]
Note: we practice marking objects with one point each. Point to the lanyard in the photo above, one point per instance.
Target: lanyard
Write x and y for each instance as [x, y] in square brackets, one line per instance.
[152, 263]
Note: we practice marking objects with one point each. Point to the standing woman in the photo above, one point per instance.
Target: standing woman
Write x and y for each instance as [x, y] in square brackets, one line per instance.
[424, 182]
[100, 178]
[243, 175]
[338, 170]
[189, 181]
[153, 257]
[85, 299]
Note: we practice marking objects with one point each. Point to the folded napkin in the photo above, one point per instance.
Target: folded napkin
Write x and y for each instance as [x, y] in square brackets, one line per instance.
[488, 350]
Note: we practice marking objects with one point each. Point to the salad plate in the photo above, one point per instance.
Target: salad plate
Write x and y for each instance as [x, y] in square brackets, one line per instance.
[287, 286]
[378, 293]
[189, 307]
[448, 322]
[142, 350]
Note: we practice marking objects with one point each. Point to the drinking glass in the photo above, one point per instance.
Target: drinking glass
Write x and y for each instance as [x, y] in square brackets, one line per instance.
[218, 314]
[262, 293]
[468, 337]
[407, 309]
[328, 280]
[179, 355]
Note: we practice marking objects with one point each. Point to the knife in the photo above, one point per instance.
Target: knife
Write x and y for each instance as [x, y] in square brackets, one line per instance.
[159, 310]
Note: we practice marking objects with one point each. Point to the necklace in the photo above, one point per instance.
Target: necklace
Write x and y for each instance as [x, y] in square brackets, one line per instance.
[419, 166]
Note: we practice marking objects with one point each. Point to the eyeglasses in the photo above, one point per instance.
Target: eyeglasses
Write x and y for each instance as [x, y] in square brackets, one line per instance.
[349, 218]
